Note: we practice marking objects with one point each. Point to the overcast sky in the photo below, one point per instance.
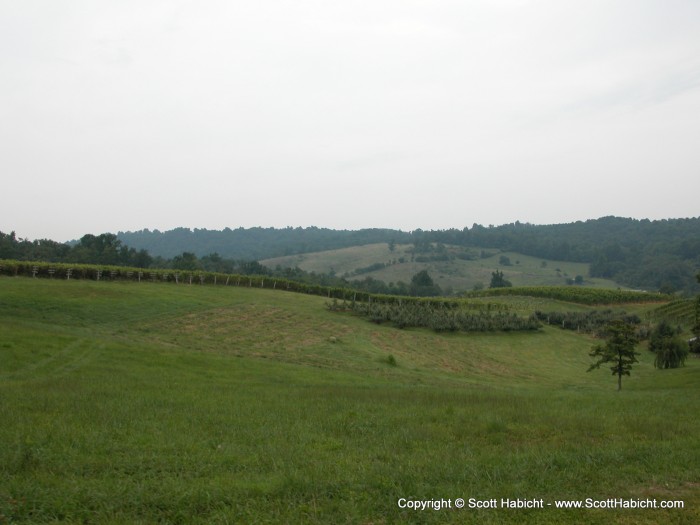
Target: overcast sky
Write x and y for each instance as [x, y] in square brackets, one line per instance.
[123, 115]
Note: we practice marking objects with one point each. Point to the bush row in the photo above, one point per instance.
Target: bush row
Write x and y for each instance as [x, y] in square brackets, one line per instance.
[581, 295]
[467, 317]
[121, 273]
[592, 322]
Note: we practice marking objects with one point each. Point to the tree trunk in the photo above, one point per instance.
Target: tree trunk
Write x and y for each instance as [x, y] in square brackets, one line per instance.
[619, 371]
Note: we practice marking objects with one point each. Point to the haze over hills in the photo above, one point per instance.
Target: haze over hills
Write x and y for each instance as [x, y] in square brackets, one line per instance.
[254, 243]
[635, 253]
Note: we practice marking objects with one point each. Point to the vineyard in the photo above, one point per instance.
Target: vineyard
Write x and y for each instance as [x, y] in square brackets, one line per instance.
[592, 322]
[121, 273]
[575, 294]
[127, 274]
[680, 312]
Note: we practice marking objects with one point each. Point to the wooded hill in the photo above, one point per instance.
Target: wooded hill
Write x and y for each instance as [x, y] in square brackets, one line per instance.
[651, 255]
[662, 254]
[254, 243]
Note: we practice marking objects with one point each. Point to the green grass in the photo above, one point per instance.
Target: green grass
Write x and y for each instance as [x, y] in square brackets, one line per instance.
[159, 403]
[456, 274]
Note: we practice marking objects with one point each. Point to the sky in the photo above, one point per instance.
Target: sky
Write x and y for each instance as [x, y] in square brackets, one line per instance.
[129, 114]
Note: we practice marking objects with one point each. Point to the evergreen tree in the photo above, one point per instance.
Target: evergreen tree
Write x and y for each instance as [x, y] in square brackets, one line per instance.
[186, 261]
[422, 285]
[499, 281]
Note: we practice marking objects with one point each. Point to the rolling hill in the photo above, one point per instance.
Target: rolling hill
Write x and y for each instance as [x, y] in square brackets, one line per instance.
[639, 254]
[140, 402]
[460, 270]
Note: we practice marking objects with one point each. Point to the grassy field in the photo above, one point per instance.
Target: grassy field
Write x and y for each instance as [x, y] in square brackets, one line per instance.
[456, 274]
[162, 403]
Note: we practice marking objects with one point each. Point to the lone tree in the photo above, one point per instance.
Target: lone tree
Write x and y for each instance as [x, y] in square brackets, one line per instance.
[422, 285]
[499, 281]
[618, 350]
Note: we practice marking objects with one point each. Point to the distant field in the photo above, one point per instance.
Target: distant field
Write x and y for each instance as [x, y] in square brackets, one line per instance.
[456, 274]
[127, 402]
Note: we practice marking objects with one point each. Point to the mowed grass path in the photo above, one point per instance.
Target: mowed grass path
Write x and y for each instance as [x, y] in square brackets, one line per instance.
[159, 403]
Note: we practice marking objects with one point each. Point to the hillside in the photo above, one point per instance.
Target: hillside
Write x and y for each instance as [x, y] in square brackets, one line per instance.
[651, 255]
[157, 402]
[461, 270]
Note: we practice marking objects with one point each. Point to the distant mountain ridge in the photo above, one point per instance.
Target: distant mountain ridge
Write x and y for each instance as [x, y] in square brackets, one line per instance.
[255, 243]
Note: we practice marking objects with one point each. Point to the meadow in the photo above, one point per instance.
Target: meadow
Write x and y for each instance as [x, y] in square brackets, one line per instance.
[455, 274]
[128, 402]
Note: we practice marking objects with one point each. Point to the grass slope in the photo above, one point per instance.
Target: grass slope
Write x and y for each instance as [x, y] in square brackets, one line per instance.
[456, 274]
[143, 403]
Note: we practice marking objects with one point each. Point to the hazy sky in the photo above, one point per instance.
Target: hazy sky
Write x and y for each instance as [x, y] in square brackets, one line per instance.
[124, 115]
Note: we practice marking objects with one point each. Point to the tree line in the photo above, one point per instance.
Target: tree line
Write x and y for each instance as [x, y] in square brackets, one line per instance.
[256, 243]
[652, 255]
[104, 249]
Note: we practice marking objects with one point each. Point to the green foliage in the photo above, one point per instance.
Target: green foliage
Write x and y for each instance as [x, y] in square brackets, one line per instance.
[589, 321]
[618, 350]
[121, 273]
[256, 243]
[671, 351]
[371, 268]
[422, 285]
[581, 295]
[186, 261]
[653, 255]
[676, 312]
[97, 249]
[458, 273]
[694, 343]
[440, 316]
[637, 253]
[499, 281]
[662, 332]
